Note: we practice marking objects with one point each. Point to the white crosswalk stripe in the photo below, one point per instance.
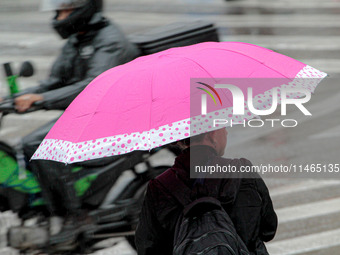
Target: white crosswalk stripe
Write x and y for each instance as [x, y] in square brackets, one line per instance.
[303, 214]
[302, 186]
[316, 243]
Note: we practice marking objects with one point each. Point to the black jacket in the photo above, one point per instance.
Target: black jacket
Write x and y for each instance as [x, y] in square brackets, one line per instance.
[246, 200]
[83, 58]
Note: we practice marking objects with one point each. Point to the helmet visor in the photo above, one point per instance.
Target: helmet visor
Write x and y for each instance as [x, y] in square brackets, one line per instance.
[57, 5]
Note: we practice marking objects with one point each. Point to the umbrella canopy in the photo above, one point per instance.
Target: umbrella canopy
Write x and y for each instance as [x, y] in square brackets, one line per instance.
[146, 103]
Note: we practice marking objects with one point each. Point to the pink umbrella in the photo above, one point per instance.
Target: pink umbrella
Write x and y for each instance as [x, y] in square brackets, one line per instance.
[148, 102]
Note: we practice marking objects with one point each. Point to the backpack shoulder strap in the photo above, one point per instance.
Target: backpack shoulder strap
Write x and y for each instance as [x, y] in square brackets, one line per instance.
[175, 186]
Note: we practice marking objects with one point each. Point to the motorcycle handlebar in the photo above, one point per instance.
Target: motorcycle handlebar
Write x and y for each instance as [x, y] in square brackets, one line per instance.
[7, 106]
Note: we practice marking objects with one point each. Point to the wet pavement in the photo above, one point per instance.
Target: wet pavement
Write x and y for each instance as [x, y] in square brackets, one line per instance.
[308, 207]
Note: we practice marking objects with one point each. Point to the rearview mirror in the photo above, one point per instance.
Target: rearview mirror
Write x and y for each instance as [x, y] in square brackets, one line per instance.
[26, 69]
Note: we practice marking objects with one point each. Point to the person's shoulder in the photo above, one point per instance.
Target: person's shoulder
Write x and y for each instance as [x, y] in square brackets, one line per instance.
[163, 178]
[161, 196]
[110, 33]
[169, 180]
[242, 166]
[156, 183]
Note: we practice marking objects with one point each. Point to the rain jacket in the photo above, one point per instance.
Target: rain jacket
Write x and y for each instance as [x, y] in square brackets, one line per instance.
[246, 200]
[83, 58]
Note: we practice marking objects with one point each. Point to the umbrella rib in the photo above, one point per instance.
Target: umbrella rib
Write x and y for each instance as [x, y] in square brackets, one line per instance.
[261, 62]
[121, 77]
[198, 65]
[201, 68]
[151, 91]
[92, 113]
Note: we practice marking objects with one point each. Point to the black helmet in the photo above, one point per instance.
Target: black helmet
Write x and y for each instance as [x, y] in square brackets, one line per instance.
[78, 19]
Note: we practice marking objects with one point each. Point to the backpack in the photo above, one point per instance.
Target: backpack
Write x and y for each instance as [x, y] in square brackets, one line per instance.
[204, 227]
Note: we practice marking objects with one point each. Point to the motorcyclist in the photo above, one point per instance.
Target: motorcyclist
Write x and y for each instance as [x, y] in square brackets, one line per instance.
[94, 44]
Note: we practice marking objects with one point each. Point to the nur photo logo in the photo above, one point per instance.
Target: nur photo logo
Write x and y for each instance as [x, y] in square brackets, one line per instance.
[245, 103]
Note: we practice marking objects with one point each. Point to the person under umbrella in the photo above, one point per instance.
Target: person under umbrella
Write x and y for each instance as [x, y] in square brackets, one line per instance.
[246, 200]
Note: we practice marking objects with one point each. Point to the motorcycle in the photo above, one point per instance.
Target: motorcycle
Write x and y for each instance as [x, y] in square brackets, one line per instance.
[111, 189]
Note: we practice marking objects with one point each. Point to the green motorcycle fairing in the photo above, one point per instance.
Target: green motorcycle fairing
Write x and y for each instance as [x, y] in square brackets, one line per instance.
[11, 176]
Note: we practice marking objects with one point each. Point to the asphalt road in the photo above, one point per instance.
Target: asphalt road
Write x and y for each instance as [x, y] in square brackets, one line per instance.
[308, 205]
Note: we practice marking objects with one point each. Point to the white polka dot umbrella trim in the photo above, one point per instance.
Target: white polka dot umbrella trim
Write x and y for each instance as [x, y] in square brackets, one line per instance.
[68, 152]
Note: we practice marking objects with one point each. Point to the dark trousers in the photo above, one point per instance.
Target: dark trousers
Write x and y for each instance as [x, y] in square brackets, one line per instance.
[54, 178]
